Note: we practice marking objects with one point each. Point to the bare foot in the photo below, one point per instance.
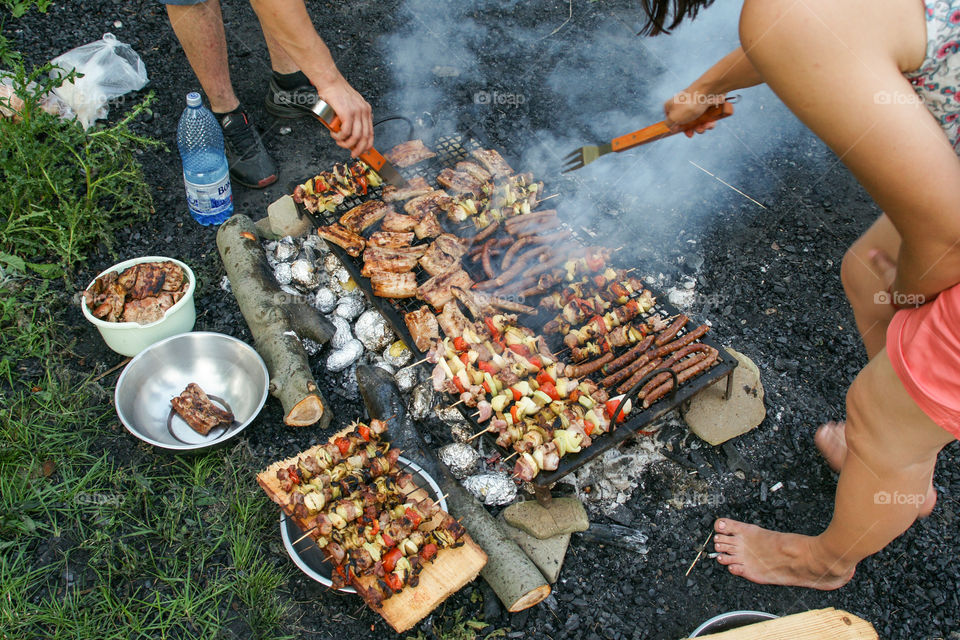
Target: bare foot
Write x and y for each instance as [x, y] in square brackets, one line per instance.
[768, 557]
[832, 443]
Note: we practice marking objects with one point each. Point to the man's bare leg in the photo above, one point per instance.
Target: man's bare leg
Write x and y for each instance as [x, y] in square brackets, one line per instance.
[883, 487]
[199, 29]
[279, 60]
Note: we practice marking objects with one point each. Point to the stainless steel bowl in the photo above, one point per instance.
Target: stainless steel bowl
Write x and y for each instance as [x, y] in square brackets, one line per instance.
[223, 366]
[731, 620]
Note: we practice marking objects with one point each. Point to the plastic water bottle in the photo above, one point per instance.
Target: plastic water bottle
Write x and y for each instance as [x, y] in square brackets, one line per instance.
[206, 175]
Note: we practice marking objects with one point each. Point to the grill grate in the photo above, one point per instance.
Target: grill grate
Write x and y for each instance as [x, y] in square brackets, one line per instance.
[454, 148]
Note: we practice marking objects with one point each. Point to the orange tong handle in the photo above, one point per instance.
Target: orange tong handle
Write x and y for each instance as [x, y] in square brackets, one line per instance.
[372, 157]
[661, 130]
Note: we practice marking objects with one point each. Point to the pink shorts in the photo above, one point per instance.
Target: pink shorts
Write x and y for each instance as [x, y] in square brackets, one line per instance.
[923, 345]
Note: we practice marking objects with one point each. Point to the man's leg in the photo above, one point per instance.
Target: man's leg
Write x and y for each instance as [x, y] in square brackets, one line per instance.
[289, 89]
[883, 487]
[199, 28]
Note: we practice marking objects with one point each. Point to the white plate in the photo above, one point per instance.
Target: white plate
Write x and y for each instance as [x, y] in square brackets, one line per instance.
[307, 555]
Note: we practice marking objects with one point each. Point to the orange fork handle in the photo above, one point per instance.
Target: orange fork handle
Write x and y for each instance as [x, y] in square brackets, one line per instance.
[372, 157]
[661, 130]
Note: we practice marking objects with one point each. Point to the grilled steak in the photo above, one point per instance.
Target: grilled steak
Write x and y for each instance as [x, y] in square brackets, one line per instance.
[347, 240]
[475, 170]
[459, 182]
[390, 239]
[364, 215]
[416, 186]
[394, 285]
[423, 327]
[195, 407]
[493, 162]
[428, 227]
[409, 153]
[394, 221]
[452, 320]
[436, 291]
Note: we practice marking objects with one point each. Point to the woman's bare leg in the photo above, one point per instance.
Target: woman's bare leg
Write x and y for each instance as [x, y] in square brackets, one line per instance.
[883, 488]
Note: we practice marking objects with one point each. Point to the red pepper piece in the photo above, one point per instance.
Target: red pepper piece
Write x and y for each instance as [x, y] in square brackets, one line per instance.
[544, 377]
[460, 344]
[413, 517]
[588, 427]
[519, 349]
[494, 332]
[390, 559]
[428, 551]
[550, 389]
[458, 385]
[486, 366]
[364, 431]
[343, 444]
[393, 581]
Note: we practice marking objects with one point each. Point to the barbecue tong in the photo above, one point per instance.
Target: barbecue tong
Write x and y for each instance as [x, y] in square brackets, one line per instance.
[588, 153]
[325, 114]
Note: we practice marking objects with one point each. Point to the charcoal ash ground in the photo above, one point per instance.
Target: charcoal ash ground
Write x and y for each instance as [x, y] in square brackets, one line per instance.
[768, 280]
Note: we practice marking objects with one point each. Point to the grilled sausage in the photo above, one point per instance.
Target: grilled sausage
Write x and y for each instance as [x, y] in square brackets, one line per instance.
[514, 270]
[514, 287]
[526, 218]
[627, 357]
[639, 373]
[677, 365]
[671, 332]
[679, 343]
[509, 305]
[701, 365]
[485, 258]
[486, 232]
[512, 251]
[588, 367]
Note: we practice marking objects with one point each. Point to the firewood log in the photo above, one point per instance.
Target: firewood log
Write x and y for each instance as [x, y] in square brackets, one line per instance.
[277, 321]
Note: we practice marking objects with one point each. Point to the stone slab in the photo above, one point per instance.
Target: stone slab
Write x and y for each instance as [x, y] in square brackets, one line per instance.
[564, 515]
[717, 420]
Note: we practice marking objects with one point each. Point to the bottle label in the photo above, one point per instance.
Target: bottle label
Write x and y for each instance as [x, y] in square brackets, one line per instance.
[209, 199]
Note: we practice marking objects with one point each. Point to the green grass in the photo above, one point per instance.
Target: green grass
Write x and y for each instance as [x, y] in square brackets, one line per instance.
[94, 546]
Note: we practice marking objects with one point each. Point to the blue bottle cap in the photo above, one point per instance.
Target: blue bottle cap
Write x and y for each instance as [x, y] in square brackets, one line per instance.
[193, 99]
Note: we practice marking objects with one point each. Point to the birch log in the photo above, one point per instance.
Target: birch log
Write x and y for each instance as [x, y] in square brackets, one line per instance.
[277, 321]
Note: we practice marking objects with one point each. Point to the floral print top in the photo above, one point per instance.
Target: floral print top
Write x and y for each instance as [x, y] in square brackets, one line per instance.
[938, 78]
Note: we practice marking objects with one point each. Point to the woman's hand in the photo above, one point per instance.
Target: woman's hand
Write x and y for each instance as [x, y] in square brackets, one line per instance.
[356, 116]
[687, 106]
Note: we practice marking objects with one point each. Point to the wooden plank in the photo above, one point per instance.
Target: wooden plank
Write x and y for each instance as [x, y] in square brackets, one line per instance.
[450, 570]
[819, 624]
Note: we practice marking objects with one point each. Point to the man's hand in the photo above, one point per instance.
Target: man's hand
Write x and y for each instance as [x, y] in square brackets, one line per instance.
[686, 106]
[356, 116]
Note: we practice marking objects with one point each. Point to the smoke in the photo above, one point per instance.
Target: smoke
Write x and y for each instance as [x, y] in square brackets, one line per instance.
[543, 83]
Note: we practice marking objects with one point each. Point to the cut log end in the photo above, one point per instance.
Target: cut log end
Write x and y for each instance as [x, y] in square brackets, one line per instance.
[531, 598]
[305, 413]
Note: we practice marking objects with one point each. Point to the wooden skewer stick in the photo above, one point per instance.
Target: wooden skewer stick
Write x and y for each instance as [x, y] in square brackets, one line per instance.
[510, 456]
[456, 403]
[418, 362]
[547, 198]
[699, 554]
[477, 435]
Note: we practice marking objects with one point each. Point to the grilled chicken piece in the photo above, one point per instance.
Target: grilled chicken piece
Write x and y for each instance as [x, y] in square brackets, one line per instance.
[364, 215]
[444, 253]
[459, 182]
[423, 327]
[347, 240]
[436, 291]
[430, 203]
[409, 153]
[475, 170]
[109, 304]
[416, 186]
[470, 301]
[493, 162]
[143, 311]
[390, 239]
[195, 407]
[394, 285]
[452, 320]
[451, 245]
[435, 261]
[173, 275]
[428, 227]
[397, 222]
[128, 277]
[150, 278]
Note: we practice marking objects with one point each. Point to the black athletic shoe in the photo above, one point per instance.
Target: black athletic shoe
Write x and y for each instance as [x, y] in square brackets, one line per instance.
[250, 164]
[290, 103]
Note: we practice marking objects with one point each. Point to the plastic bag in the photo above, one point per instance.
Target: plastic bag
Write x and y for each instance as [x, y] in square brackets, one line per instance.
[110, 69]
[11, 105]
